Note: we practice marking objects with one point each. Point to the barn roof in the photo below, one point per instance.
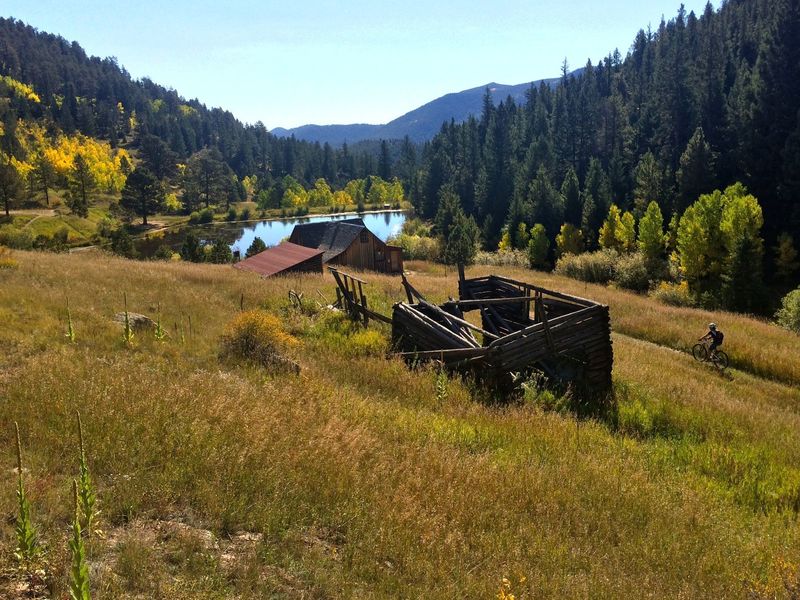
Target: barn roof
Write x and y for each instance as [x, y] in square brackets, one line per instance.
[277, 259]
[332, 237]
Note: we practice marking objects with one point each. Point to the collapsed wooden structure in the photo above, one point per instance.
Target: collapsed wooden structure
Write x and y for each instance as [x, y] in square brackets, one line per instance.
[523, 327]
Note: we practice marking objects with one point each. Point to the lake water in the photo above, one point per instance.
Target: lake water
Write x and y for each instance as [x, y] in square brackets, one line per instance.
[382, 224]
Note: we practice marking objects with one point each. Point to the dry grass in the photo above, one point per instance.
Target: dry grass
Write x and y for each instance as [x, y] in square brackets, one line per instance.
[361, 482]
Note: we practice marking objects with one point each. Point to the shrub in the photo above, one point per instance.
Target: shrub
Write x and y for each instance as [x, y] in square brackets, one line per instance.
[631, 272]
[204, 216]
[366, 342]
[593, 267]
[163, 252]
[674, 294]
[416, 226]
[257, 336]
[507, 258]
[231, 216]
[246, 215]
[417, 247]
[789, 315]
[21, 239]
[7, 260]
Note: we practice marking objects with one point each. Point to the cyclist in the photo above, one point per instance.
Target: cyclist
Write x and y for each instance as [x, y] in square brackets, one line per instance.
[716, 336]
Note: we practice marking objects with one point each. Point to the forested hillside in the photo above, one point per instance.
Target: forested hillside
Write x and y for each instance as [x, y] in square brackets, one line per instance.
[698, 104]
[97, 97]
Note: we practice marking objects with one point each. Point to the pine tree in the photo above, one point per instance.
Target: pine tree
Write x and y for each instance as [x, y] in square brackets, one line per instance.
[649, 182]
[10, 183]
[786, 263]
[384, 162]
[157, 156]
[44, 174]
[81, 184]
[143, 193]
[742, 285]
[547, 204]
[220, 253]
[570, 191]
[256, 247]
[696, 174]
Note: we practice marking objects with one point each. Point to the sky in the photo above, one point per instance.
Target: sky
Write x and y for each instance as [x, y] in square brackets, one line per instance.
[289, 63]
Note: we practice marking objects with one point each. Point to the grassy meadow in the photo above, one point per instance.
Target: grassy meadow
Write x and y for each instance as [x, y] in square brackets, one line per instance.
[362, 478]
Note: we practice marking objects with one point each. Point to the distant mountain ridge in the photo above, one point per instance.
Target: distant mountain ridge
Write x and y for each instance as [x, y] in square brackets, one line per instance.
[420, 124]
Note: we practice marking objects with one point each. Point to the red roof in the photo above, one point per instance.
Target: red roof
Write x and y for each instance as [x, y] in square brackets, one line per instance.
[275, 260]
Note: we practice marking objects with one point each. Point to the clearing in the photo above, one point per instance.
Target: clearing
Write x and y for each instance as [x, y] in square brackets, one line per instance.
[361, 478]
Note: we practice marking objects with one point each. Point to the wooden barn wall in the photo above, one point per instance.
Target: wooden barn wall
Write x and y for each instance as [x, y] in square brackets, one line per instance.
[361, 255]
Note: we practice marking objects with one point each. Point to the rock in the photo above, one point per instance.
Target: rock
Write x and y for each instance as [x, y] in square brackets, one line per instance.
[138, 321]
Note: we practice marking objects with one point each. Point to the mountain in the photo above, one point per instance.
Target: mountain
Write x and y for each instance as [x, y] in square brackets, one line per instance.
[420, 124]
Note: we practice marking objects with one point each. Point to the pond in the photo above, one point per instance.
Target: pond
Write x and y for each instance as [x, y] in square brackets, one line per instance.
[383, 224]
[239, 236]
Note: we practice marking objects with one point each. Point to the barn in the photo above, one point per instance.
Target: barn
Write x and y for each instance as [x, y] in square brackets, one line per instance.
[349, 243]
[283, 258]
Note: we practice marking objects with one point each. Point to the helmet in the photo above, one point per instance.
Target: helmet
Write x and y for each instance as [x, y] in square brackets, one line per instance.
[712, 325]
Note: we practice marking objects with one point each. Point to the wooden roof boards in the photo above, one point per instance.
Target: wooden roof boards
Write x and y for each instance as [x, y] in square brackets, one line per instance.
[284, 257]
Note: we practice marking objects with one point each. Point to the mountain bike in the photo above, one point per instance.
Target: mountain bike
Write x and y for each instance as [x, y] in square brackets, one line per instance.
[718, 358]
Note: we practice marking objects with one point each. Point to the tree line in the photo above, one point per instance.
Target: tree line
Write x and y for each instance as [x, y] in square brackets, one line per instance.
[696, 105]
[98, 98]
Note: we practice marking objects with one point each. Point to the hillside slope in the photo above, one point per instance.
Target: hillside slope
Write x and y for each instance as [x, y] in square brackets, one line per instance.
[356, 478]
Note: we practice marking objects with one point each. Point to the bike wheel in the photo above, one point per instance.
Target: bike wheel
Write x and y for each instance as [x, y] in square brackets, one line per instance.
[721, 360]
[700, 352]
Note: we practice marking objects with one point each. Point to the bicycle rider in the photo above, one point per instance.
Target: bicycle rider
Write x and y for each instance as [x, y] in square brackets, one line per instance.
[715, 336]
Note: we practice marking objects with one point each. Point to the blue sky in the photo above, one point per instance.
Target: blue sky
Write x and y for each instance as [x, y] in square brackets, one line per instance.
[319, 61]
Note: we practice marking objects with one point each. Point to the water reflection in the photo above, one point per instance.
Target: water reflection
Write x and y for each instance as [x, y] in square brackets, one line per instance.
[384, 224]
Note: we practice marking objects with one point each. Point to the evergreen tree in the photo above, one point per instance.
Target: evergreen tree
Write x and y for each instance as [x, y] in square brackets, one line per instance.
[191, 250]
[458, 234]
[462, 244]
[775, 109]
[10, 184]
[81, 184]
[742, 286]
[385, 162]
[157, 156]
[220, 253]
[143, 193]
[570, 191]
[547, 204]
[256, 247]
[786, 263]
[44, 174]
[649, 182]
[696, 173]
[205, 179]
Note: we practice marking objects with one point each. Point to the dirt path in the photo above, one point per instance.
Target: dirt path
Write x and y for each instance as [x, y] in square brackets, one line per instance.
[39, 212]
